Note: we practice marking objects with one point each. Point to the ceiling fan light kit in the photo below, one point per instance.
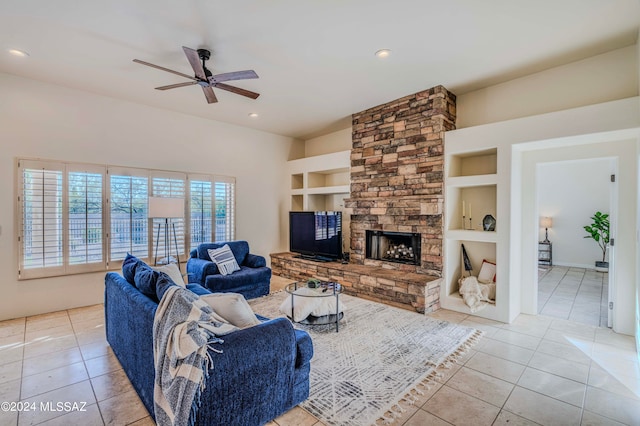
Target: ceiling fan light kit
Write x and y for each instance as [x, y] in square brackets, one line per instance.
[205, 78]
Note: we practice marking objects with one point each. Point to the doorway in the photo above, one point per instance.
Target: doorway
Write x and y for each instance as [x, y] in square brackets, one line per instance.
[568, 194]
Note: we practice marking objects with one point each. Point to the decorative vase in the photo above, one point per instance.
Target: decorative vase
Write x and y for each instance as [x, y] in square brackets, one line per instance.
[489, 223]
[602, 266]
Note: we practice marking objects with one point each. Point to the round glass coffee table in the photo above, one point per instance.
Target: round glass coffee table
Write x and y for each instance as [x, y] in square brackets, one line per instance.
[324, 289]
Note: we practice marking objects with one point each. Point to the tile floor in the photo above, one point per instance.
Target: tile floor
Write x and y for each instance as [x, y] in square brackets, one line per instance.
[575, 294]
[537, 370]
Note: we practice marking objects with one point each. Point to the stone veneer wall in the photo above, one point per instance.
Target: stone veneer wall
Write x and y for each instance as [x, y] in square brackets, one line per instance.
[397, 166]
[403, 289]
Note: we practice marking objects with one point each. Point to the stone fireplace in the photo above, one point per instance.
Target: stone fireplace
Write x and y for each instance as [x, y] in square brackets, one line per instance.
[396, 247]
[397, 186]
[395, 205]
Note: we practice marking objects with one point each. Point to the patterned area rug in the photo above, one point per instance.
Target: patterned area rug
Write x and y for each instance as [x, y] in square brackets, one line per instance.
[380, 356]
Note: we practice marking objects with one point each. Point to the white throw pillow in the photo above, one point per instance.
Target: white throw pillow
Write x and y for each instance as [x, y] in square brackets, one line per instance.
[174, 273]
[305, 306]
[327, 306]
[302, 306]
[488, 291]
[233, 307]
[223, 257]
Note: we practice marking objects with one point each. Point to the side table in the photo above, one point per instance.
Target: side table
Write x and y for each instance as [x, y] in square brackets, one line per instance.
[545, 254]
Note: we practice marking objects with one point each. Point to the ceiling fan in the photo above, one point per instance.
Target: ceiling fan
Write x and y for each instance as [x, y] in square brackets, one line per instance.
[205, 78]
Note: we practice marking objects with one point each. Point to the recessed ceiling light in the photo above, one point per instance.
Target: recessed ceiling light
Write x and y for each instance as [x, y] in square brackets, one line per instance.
[20, 53]
[253, 115]
[383, 53]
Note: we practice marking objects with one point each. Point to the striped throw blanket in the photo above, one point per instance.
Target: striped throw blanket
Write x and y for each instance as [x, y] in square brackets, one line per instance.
[184, 330]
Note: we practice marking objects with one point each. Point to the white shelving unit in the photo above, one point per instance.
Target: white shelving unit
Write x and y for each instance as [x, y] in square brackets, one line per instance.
[471, 180]
[320, 182]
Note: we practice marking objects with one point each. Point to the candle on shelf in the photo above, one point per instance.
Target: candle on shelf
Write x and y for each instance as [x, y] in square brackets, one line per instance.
[462, 207]
[469, 209]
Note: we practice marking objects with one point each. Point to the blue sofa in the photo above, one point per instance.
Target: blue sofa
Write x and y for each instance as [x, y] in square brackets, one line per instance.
[252, 280]
[262, 372]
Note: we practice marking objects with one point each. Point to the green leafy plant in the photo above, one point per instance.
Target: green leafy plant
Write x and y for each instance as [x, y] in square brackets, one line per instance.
[599, 231]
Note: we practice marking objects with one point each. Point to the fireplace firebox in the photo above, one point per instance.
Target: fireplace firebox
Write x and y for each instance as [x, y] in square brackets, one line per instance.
[398, 247]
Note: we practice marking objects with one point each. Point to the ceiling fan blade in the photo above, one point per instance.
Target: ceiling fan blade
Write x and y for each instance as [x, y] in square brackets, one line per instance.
[138, 61]
[173, 86]
[237, 90]
[235, 75]
[194, 60]
[208, 93]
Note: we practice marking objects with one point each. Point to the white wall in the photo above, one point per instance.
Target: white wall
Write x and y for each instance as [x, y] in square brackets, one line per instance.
[53, 122]
[331, 142]
[570, 192]
[612, 75]
[638, 219]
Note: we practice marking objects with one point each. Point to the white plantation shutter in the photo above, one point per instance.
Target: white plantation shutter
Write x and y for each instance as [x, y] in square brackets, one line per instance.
[74, 218]
[85, 209]
[129, 223]
[40, 230]
[61, 219]
[201, 211]
[169, 185]
[225, 204]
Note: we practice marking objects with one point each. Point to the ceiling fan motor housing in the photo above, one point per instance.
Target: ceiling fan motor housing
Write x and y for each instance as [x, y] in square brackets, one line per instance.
[204, 54]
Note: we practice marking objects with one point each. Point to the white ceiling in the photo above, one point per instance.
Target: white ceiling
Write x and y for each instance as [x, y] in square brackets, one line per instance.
[315, 59]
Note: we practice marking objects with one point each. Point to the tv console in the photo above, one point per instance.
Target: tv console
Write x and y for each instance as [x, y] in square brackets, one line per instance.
[315, 257]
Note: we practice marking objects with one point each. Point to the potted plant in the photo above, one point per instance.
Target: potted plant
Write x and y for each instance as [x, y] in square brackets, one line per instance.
[599, 231]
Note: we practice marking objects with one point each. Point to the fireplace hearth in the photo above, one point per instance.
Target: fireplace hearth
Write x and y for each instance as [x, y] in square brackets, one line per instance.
[397, 247]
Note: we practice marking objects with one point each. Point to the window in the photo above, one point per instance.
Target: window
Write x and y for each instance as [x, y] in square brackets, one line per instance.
[225, 210]
[200, 223]
[41, 239]
[76, 218]
[212, 209]
[128, 211]
[85, 231]
[61, 219]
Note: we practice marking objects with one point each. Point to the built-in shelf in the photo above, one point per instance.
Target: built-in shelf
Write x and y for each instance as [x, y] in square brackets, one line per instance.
[474, 203]
[472, 235]
[297, 181]
[328, 178]
[474, 163]
[339, 189]
[454, 302]
[471, 193]
[471, 181]
[296, 203]
[320, 182]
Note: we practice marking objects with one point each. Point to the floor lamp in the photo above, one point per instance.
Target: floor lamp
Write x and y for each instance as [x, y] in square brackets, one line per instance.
[166, 208]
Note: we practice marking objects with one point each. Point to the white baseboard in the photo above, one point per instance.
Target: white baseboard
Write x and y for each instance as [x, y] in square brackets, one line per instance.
[576, 265]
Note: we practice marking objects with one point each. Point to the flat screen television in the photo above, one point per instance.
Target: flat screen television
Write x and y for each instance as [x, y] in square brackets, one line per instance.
[316, 235]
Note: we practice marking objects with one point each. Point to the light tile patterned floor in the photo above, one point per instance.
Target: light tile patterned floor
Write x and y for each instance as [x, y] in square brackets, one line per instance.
[576, 294]
[537, 370]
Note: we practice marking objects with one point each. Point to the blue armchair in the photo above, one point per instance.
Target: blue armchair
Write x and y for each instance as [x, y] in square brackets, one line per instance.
[252, 280]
